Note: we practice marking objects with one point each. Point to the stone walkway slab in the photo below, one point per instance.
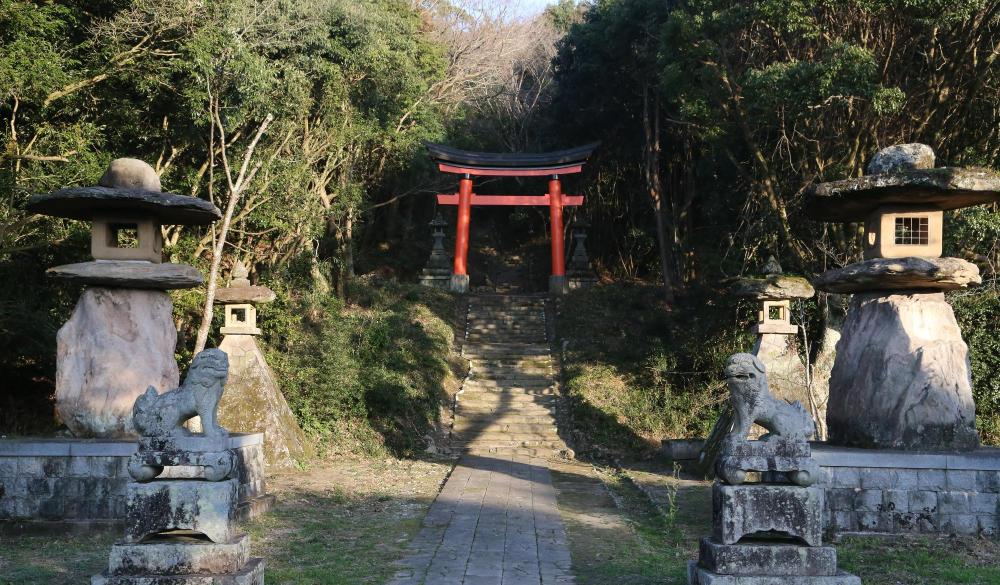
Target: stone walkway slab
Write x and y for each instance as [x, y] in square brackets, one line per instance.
[495, 522]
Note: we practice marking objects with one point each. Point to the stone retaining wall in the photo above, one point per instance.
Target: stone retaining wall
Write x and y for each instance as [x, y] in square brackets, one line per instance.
[82, 481]
[898, 491]
[893, 492]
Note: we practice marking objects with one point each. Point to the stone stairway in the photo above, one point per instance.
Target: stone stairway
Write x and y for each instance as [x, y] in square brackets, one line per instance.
[508, 402]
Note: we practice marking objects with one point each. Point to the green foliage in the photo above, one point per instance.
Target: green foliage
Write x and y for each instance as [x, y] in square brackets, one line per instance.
[978, 314]
[370, 375]
[639, 373]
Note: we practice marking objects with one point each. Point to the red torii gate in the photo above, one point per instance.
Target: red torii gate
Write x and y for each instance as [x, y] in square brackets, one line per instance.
[488, 164]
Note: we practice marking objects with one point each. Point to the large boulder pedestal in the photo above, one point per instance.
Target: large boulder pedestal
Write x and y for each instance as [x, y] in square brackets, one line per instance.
[117, 343]
[902, 378]
[254, 403]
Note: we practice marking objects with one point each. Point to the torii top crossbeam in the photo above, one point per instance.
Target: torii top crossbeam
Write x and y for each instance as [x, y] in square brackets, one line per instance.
[488, 164]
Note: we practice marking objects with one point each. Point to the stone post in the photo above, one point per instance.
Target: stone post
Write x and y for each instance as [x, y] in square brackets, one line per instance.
[579, 274]
[121, 336]
[253, 402]
[437, 272]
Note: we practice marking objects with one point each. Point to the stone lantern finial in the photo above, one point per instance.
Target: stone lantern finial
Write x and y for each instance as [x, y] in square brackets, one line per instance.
[772, 266]
[239, 275]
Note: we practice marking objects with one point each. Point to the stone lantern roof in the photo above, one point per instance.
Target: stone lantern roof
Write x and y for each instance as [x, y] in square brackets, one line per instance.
[129, 187]
[943, 188]
[241, 291]
[773, 286]
[126, 210]
[902, 175]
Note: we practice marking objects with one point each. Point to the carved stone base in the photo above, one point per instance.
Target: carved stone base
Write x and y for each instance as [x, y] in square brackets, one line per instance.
[767, 558]
[179, 555]
[251, 574]
[748, 510]
[182, 504]
[775, 454]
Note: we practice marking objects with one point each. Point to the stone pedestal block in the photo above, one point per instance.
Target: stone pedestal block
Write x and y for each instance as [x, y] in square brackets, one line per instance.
[901, 379]
[182, 504]
[253, 403]
[699, 576]
[767, 558]
[251, 574]
[747, 510]
[117, 343]
[776, 455]
[179, 556]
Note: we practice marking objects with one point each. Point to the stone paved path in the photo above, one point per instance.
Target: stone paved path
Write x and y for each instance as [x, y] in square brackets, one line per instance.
[495, 522]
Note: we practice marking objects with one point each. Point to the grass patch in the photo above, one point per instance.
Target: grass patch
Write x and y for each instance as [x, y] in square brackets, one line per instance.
[615, 533]
[345, 522]
[921, 560]
[340, 522]
[54, 559]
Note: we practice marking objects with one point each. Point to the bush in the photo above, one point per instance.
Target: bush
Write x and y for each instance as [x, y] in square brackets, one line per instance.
[370, 375]
[978, 314]
[638, 373]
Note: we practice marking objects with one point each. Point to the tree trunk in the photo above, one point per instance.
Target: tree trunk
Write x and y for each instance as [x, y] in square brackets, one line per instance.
[651, 129]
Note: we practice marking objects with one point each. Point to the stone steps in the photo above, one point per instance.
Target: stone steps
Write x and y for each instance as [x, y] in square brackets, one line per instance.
[507, 404]
[526, 383]
[544, 426]
[562, 452]
[480, 420]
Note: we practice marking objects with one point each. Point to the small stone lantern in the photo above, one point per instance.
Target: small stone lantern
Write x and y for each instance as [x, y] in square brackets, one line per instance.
[239, 299]
[121, 337]
[777, 337]
[579, 274]
[437, 272]
[253, 402]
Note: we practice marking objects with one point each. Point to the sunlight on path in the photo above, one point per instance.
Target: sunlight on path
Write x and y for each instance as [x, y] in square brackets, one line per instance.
[494, 523]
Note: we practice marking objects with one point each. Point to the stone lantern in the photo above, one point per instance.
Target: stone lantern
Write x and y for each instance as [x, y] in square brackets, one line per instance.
[437, 272]
[777, 344]
[579, 274]
[253, 402]
[239, 299]
[121, 337]
[901, 378]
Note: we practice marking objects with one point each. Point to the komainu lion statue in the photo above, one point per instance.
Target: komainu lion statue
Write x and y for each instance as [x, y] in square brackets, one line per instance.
[164, 415]
[753, 403]
[782, 453]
